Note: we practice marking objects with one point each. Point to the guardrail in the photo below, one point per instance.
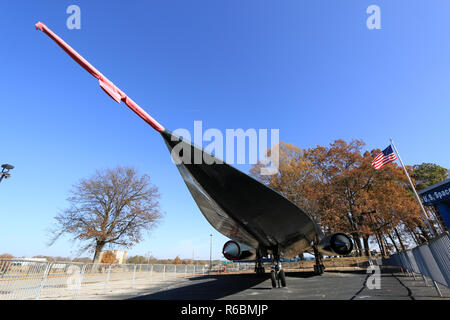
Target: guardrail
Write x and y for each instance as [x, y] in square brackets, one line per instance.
[25, 280]
[431, 259]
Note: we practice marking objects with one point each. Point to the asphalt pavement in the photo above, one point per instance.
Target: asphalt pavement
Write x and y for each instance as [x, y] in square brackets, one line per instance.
[332, 285]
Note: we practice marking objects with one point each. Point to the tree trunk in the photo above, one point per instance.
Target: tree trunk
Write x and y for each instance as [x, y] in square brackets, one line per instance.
[357, 241]
[399, 239]
[98, 250]
[393, 242]
[385, 243]
[414, 236]
[366, 246]
[424, 233]
[380, 244]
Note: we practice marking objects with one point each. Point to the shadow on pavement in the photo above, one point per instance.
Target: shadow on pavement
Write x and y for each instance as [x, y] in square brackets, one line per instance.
[347, 271]
[218, 286]
[300, 274]
[210, 288]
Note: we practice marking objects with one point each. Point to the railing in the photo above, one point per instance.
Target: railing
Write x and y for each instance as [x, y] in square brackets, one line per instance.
[431, 259]
[24, 280]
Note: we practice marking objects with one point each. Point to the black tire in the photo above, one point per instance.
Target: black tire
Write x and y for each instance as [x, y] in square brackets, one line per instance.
[282, 278]
[273, 278]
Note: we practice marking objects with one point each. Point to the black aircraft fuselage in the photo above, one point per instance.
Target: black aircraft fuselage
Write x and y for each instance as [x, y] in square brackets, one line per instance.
[253, 215]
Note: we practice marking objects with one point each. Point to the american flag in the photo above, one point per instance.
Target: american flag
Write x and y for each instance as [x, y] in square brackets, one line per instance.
[384, 157]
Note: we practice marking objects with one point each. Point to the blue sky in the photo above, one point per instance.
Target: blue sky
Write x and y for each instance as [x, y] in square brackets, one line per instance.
[311, 69]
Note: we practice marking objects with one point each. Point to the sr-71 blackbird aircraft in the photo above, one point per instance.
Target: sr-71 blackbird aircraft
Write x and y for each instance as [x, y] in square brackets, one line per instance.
[258, 220]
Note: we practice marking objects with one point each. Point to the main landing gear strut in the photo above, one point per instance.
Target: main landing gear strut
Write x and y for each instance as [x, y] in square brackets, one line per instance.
[277, 275]
[259, 267]
[319, 268]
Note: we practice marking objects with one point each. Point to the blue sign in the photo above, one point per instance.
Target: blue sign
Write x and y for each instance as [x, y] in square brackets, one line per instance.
[436, 195]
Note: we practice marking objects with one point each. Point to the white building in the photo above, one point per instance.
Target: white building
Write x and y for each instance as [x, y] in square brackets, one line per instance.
[121, 256]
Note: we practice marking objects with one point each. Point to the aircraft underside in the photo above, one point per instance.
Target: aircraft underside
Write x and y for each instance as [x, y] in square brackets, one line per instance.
[261, 222]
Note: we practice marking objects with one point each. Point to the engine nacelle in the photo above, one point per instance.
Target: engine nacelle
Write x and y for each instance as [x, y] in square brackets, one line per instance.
[233, 250]
[338, 244]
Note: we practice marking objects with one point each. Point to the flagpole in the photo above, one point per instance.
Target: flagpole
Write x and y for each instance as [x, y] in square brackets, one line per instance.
[414, 189]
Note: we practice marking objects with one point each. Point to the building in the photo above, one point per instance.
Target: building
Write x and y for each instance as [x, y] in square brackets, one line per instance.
[121, 256]
[437, 196]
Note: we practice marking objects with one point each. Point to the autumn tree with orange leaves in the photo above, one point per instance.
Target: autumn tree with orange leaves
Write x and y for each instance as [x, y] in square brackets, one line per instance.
[108, 257]
[338, 187]
[177, 260]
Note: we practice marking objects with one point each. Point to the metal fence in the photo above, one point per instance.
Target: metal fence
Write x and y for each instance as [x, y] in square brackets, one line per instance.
[431, 259]
[24, 280]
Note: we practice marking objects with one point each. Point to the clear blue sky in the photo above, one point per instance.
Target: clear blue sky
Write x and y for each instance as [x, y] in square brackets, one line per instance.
[309, 68]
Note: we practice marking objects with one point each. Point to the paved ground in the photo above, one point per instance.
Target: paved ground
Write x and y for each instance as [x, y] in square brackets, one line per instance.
[347, 285]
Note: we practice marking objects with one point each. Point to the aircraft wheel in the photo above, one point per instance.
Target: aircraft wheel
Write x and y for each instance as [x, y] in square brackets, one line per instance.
[273, 278]
[282, 278]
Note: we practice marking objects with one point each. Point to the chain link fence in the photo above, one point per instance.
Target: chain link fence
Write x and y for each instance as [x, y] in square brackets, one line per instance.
[22, 279]
[431, 259]
[25, 280]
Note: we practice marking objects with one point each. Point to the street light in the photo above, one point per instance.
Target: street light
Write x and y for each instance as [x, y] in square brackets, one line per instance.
[210, 253]
[5, 171]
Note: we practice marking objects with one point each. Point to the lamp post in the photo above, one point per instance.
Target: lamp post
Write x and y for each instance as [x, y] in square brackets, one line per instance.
[210, 253]
[5, 171]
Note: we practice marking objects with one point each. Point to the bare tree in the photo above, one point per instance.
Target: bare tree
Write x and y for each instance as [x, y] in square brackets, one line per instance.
[112, 207]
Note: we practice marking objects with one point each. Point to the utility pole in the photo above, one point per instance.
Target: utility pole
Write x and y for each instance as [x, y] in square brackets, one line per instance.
[210, 253]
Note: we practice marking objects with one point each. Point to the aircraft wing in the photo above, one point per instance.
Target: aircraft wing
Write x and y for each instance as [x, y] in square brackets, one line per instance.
[240, 207]
[237, 205]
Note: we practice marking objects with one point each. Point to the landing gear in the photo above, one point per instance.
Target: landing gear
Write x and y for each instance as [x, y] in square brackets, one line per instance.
[282, 278]
[273, 277]
[277, 275]
[260, 271]
[319, 268]
[259, 267]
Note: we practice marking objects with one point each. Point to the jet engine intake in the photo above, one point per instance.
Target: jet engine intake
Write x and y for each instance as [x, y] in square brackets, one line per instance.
[336, 244]
[233, 250]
